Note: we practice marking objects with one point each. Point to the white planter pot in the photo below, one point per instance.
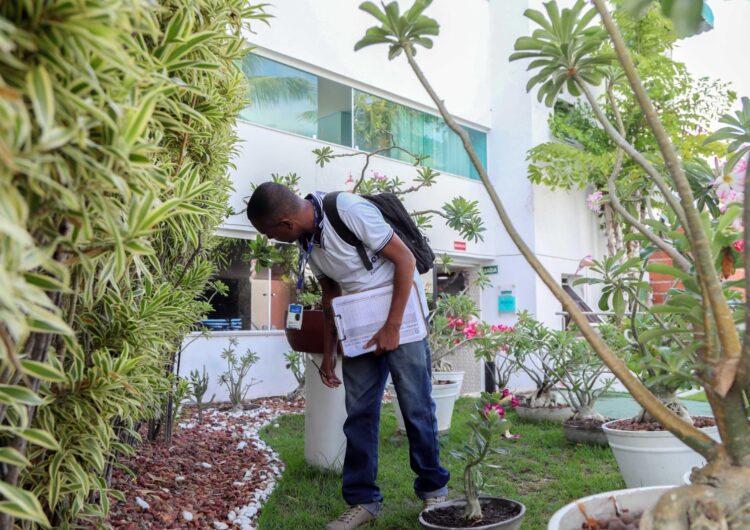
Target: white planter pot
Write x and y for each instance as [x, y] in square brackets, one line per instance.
[557, 415]
[569, 517]
[653, 458]
[454, 377]
[513, 523]
[325, 413]
[444, 397]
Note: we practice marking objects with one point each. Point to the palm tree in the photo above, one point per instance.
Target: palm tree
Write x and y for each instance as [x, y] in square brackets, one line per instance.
[272, 90]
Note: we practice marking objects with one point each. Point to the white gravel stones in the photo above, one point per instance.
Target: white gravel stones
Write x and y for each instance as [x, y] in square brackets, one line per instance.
[143, 505]
[187, 516]
[241, 445]
[206, 465]
[220, 526]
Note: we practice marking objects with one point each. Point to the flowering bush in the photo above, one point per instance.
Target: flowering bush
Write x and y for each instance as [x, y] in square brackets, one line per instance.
[488, 426]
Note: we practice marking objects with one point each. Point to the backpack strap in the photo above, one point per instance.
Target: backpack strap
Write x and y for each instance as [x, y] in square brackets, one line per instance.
[332, 214]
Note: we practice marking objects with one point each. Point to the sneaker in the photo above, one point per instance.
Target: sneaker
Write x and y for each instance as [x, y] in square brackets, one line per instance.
[353, 517]
[432, 501]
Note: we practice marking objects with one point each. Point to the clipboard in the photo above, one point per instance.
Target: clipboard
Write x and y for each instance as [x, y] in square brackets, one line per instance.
[360, 315]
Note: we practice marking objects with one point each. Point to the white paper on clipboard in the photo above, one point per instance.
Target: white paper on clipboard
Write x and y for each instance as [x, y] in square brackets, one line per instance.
[359, 316]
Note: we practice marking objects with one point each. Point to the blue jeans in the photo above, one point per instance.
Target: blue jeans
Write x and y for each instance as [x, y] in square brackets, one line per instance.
[364, 381]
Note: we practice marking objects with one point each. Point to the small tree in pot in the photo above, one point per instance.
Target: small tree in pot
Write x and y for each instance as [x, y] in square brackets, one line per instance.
[662, 360]
[491, 345]
[487, 425]
[583, 380]
[537, 351]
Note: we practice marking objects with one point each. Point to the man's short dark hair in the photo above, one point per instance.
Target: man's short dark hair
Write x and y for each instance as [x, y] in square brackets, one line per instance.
[270, 202]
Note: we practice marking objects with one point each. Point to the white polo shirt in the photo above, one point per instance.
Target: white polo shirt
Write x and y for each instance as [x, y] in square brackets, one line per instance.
[334, 258]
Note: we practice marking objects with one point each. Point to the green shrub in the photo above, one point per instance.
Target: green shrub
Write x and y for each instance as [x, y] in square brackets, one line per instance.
[116, 133]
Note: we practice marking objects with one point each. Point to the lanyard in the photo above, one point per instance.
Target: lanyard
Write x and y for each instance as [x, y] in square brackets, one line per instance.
[304, 253]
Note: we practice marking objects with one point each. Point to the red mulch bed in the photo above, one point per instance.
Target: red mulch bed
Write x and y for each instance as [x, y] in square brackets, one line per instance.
[178, 479]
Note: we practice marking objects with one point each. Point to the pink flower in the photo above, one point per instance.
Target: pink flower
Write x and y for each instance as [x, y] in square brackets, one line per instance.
[739, 245]
[730, 186]
[378, 176]
[489, 408]
[586, 261]
[349, 180]
[514, 402]
[594, 201]
[506, 392]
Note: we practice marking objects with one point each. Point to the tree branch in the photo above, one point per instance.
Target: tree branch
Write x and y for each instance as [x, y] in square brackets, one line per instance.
[632, 152]
[726, 369]
[678, 259]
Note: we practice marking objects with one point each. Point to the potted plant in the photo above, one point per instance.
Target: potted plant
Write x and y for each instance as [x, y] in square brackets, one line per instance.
[647, 453]
[613, 509]
[539, 353]
[487, 425]
[309, 338]
[492, 348]
[569, 48]
[583, 381]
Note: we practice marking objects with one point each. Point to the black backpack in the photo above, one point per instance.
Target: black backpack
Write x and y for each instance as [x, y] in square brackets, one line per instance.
[395, 215]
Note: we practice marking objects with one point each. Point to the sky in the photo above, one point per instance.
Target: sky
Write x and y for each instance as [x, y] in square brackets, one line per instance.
[722, 52]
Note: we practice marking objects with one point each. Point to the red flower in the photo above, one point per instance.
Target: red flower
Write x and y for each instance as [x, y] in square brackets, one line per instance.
[739, 245]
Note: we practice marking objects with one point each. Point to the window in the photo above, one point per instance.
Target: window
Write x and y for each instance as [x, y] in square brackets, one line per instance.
[416, 131]
[289, 99]
[292, 100]
[254, 299]
[280, 96]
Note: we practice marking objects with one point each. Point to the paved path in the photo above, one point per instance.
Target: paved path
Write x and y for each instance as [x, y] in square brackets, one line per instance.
[625, 407]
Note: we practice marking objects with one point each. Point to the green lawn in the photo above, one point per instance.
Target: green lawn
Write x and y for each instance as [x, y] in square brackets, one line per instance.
[698, 396]
[541, 470]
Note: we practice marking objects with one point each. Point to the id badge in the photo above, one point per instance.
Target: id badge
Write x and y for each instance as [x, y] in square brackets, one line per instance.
[294, 317]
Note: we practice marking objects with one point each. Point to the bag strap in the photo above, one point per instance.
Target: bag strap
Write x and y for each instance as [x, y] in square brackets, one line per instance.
[332, 214]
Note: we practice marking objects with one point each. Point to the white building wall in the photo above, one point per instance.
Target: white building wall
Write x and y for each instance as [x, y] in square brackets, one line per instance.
[270, 372]
[469, 68]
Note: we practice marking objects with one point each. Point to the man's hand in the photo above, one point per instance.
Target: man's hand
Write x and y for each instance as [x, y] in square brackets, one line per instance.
[386, 339]
[328, 372]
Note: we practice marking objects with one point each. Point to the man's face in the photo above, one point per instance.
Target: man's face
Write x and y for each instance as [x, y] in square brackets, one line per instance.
[284, 230]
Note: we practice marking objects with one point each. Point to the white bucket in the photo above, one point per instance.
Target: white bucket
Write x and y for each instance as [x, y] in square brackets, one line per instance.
[325, 413]
[569, 517]
[653, 458]
[453, 377]
[444, 397]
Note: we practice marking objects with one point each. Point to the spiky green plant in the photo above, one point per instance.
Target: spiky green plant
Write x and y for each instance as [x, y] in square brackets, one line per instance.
[238, 367]
[198, 389]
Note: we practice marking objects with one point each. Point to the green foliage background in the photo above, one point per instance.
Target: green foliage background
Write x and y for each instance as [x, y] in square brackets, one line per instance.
[116, 133]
